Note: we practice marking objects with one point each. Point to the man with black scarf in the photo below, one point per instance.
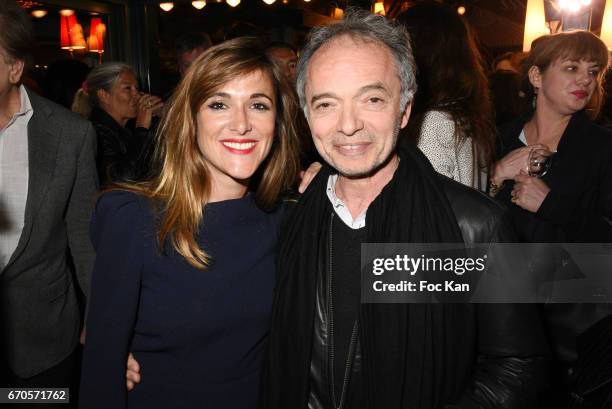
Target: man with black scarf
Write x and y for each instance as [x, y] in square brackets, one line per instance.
[356, 82]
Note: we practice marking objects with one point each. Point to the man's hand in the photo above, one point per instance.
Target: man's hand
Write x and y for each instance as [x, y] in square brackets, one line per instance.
[132, 375]
[529, 192]
[308, 175]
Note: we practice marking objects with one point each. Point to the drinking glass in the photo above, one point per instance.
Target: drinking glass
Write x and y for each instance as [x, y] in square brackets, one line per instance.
[539, 162]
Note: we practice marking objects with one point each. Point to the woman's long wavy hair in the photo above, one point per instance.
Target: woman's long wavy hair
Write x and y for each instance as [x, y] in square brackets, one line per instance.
[573, 45]
[451, 76]
[182, 186]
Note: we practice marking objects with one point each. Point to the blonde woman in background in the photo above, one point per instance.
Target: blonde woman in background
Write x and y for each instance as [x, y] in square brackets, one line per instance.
[109, 98]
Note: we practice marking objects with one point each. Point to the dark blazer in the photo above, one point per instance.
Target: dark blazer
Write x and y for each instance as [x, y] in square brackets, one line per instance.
[40, 314]
[578, 208]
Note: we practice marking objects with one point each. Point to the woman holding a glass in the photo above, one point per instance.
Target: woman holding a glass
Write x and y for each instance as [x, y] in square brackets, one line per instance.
[555, 173]
[556, 167]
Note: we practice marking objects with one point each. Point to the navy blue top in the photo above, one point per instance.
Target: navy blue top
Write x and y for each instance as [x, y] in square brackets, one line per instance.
[199, 336]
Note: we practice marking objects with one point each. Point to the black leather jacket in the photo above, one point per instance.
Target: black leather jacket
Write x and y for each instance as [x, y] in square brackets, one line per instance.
[507, 375]
[120, 150]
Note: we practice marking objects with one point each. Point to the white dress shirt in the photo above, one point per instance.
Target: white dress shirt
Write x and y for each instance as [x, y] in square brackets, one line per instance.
[14, 175]
[341, 208]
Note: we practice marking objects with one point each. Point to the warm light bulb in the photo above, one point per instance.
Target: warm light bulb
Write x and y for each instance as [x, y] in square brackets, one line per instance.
[535, 23]
[166, 6]
[40, 13]
[461, 10]
[268, 2]
[233, 3]
[379, 8]
[606, 25]
[66, 12]
[198, 4]
[306, 1]
[571, 6]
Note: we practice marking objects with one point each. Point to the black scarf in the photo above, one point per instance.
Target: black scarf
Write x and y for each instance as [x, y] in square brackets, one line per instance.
[415, 356]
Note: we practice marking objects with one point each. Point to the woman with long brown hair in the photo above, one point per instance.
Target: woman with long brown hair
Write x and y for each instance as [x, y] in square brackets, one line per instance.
[451, 120]
[185, 262]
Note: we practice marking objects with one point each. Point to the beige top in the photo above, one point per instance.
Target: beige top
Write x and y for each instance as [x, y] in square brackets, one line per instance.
[448, 157]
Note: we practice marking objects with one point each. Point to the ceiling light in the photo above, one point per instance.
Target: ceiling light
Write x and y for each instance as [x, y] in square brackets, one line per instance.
[167, 6]
[461, 10]
[39, 13]
[233, 3]
[198, 4]
[66, 12]
[571, 6]
[268, 2]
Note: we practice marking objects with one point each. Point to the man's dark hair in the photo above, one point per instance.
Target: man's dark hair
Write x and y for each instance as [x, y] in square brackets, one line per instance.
[280, 44]
[191, 41]
[16, 34]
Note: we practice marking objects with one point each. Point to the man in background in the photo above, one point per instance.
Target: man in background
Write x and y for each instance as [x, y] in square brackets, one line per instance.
[189, 47]
[284, 55]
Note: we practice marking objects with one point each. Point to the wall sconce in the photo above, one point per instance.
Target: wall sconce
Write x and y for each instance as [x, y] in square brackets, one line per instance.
[95, 41]
[606, 25]
[535, 23]
[379, 8]
[573, 6]
[575, 14]
[71, 34]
